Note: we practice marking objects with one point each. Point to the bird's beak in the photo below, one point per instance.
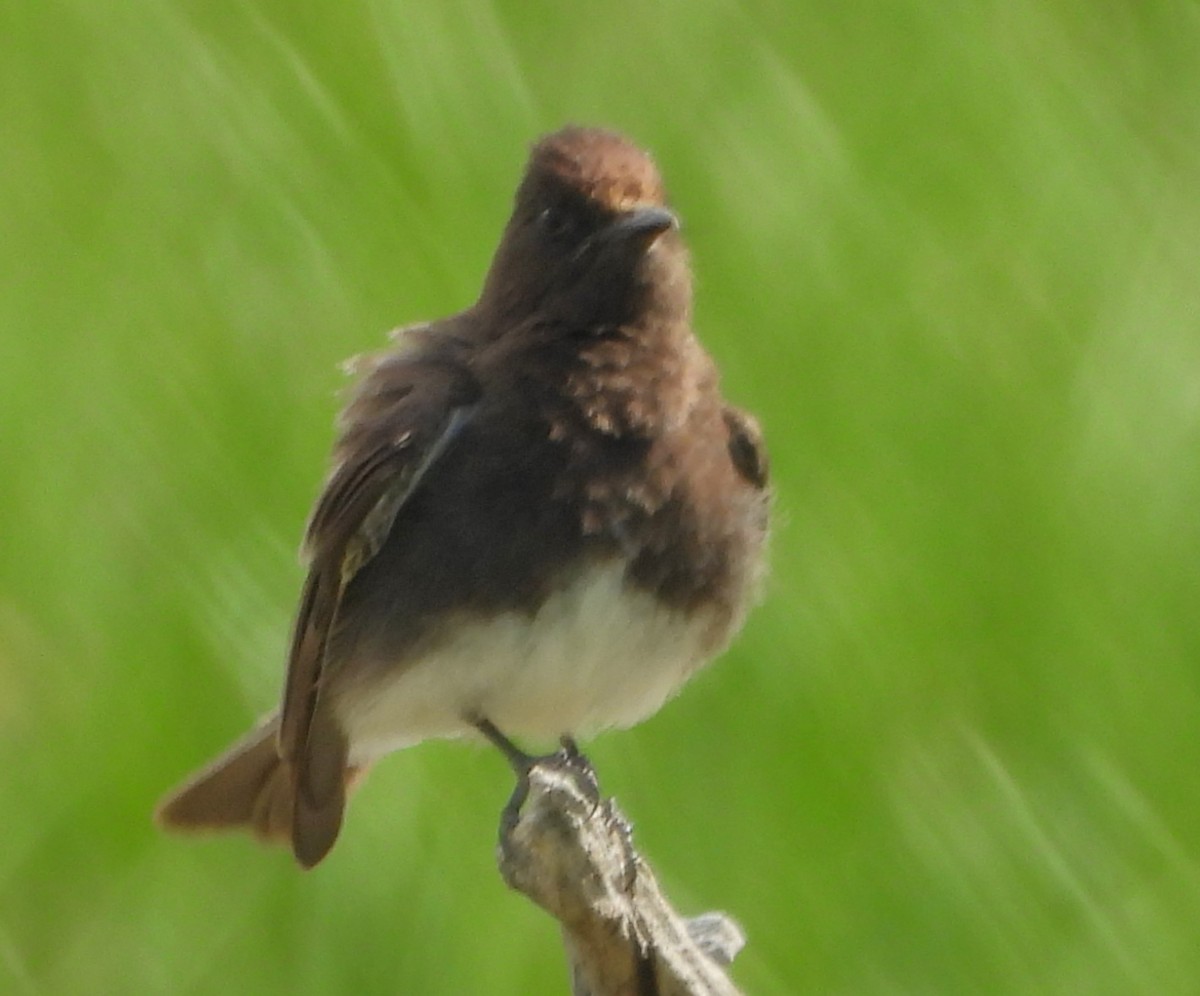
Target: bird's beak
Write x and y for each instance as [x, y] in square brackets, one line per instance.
[644, 223]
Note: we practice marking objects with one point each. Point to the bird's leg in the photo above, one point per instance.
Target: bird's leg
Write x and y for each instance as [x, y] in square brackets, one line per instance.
[517, 758]
[567, 758]
[571, 761]
[521, 764]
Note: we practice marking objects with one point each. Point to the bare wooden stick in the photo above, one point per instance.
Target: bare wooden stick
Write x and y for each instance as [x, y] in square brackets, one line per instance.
[572, 855]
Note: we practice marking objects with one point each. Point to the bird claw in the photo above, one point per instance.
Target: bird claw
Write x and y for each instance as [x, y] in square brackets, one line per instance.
[572, 762]
[570, 759]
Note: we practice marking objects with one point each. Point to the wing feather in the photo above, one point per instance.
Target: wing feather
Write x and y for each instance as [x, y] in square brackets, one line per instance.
[393, 433]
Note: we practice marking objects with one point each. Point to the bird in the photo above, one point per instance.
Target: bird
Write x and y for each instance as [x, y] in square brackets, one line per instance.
[541, 517]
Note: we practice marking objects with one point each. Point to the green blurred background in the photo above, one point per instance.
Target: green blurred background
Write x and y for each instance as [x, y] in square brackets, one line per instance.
[950, 252]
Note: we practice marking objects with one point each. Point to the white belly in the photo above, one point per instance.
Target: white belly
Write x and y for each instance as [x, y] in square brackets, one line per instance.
[596, 655]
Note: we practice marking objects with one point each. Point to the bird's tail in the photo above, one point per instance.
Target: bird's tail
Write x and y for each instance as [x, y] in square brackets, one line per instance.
[251, 787]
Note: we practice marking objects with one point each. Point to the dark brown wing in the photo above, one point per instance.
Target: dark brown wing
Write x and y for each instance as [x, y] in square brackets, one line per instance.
[402, 417]
[747, 449]
[352, 519]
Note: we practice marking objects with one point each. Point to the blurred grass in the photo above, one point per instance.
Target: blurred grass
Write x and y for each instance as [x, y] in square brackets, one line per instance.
[949, 253]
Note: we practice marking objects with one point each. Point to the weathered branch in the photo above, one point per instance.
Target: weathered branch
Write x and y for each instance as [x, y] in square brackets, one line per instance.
[572, 855]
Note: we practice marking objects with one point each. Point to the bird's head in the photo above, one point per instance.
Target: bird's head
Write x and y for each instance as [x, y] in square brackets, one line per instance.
[591, 240]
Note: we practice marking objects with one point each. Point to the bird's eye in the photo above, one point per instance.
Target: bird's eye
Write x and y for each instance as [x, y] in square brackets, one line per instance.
[558, 224]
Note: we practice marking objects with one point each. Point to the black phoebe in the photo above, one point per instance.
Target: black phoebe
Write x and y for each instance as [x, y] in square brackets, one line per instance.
[542, 517]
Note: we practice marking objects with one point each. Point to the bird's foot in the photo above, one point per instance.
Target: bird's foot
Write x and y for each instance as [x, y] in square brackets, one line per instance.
[574, 764]
[568, 759]
[571, 759]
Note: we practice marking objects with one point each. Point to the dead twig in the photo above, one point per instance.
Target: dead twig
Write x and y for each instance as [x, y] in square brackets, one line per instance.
[572, 854]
